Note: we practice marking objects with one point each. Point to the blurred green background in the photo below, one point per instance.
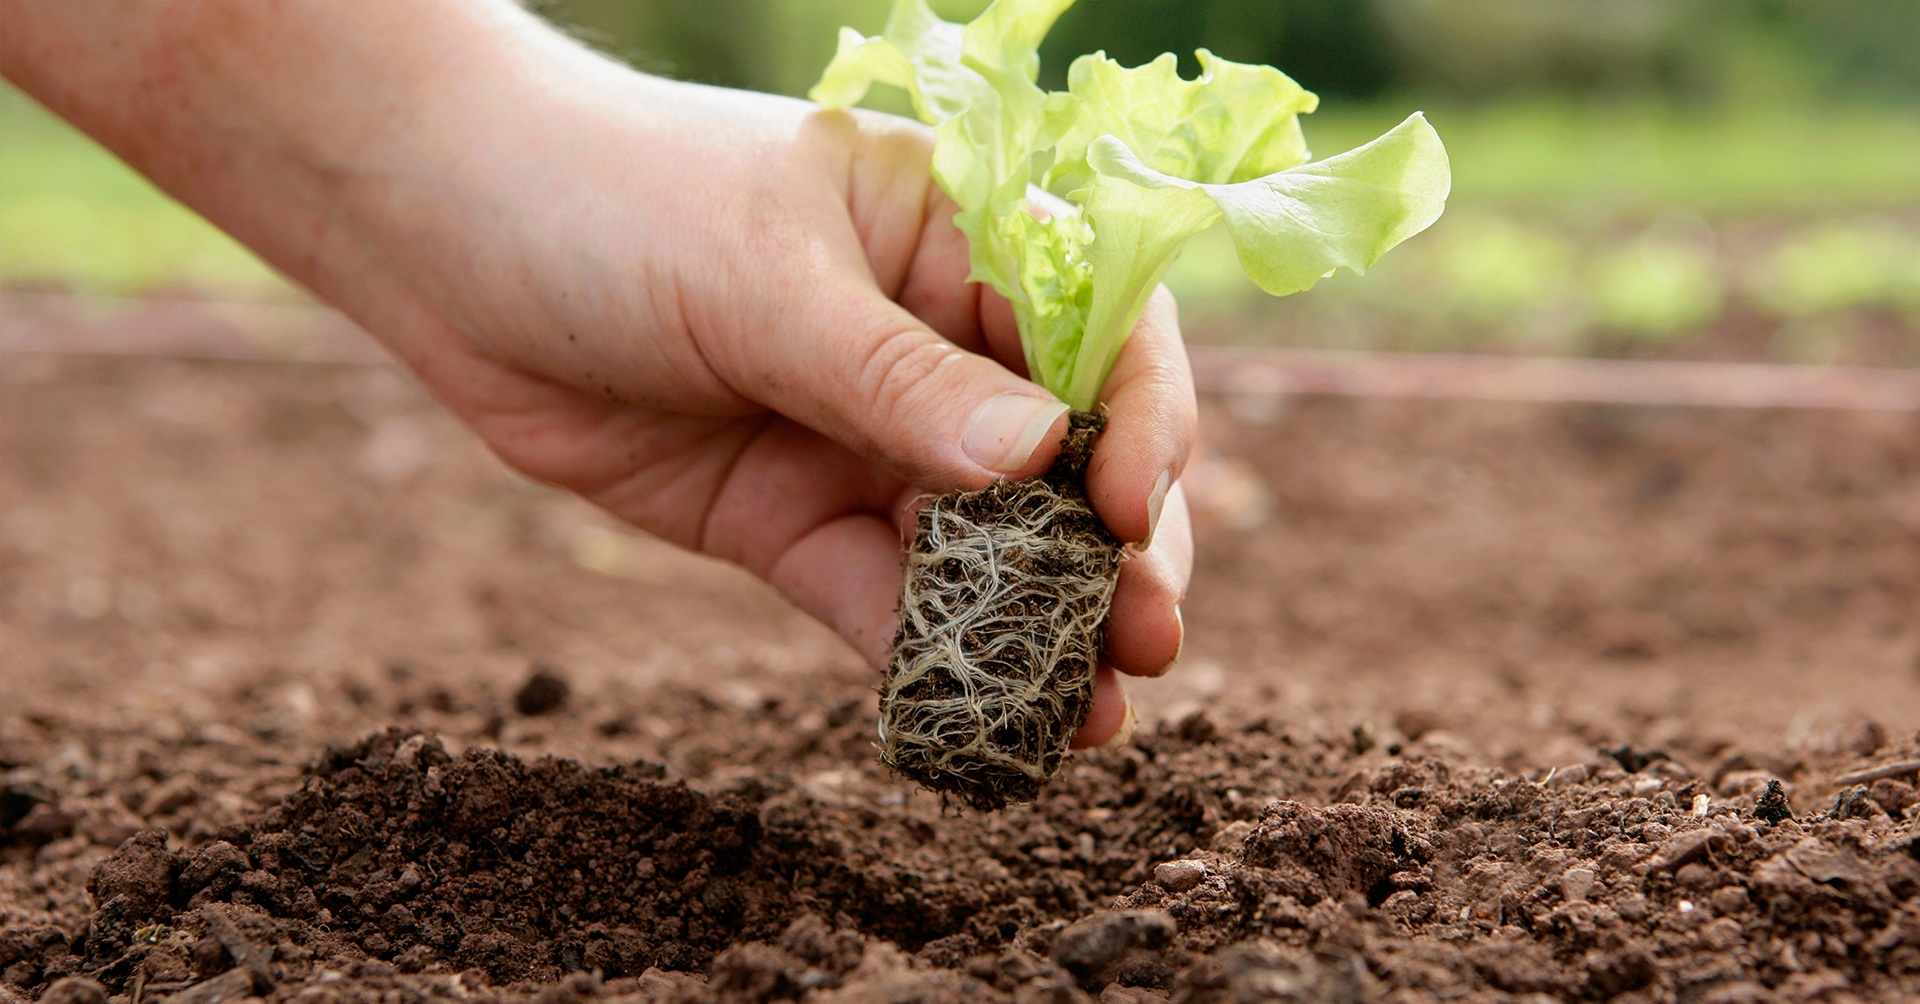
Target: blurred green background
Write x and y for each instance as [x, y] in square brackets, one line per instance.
[1687, 178]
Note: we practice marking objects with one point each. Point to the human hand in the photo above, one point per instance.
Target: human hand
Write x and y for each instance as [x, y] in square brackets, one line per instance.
[737, 322]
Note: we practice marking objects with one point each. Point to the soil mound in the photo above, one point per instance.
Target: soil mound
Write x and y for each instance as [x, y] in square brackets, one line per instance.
[392, 850]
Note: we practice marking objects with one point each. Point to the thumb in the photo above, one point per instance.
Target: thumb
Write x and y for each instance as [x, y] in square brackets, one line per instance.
[857, 367]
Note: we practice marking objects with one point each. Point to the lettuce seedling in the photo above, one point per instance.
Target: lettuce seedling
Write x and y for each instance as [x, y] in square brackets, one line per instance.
[1074, 204]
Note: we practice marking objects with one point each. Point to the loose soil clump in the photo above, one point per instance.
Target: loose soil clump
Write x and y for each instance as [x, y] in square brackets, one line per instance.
[1001, 615]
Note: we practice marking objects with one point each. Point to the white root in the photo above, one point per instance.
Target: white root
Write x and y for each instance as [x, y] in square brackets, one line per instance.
[992, 672]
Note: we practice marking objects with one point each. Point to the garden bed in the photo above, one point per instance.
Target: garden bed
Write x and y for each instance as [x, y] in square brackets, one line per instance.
[307, 699]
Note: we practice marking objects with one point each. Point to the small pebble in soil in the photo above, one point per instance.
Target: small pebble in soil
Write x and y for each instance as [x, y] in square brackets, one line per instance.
[1679, 850]
[544, 691]
[1231, 836]
[1179, 876]
[1575, 883]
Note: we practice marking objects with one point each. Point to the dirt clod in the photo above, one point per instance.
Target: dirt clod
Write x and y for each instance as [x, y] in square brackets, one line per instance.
[140, 875]
[1894, 796]
[1854, 803]
[1336, 851]
[1773, 806]
[543, 693]
[1257, 973]
[75, 990]
[1633, 761]
[1119, 947]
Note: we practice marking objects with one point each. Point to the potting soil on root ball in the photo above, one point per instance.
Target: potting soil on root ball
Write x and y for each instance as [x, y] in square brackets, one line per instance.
[1001, 624]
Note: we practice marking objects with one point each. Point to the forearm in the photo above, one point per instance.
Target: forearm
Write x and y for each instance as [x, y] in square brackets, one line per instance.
[295, 126]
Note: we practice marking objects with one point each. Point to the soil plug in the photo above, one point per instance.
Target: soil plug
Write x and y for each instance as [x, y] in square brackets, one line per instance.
[1000, 632]
[1074, 204]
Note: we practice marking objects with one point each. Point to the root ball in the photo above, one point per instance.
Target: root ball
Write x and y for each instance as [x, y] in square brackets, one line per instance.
[1001, 615]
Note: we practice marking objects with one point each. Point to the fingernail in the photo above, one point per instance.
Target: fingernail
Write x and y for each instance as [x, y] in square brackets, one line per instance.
[1154, 503]
[1179, 640]
[1127, 725]
[1007, 429]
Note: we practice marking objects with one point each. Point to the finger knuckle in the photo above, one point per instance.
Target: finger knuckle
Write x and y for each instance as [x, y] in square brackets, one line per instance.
[897, 368]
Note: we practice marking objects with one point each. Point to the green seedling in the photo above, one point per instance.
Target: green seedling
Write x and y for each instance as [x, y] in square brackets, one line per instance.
[1074, 203]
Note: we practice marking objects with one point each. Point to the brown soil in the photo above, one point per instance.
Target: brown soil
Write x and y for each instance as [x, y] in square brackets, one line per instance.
[304, 698]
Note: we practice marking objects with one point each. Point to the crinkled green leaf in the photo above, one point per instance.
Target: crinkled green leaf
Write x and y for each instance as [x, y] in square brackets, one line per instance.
[919, 51]
[986, 155]
[1233, 122]
[1294, 227]
[1053, 290]
[1291, 227]
[860, 62]
[975, 85]
[1075, 203]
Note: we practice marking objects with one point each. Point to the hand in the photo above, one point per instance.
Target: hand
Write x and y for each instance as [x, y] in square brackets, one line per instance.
[735, 321]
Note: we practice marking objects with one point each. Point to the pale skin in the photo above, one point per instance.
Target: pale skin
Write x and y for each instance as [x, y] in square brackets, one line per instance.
[733, 320]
